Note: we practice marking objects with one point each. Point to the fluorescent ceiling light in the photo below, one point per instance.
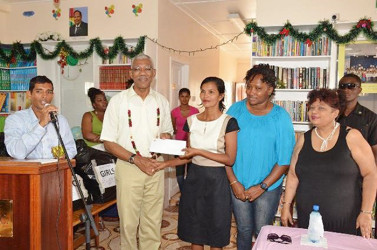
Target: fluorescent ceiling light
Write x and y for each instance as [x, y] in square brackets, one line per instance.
[237, 21]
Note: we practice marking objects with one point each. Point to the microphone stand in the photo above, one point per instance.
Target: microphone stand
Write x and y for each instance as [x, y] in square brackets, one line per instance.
[87, 216]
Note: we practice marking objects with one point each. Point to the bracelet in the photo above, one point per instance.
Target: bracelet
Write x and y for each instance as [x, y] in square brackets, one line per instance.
[233, 182]
[365, 212]
[284, 202]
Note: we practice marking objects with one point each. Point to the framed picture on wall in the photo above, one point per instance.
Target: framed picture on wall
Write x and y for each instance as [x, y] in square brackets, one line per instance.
[359, 58]
[78, 21]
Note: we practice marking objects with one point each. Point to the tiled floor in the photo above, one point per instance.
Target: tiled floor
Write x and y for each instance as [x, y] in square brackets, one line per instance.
[109, 238]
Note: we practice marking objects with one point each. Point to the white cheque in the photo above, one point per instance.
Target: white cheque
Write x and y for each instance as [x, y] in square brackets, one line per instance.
[167, 146]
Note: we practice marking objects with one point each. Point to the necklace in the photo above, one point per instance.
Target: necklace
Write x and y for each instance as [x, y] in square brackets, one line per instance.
[329, 137]
[130, 126]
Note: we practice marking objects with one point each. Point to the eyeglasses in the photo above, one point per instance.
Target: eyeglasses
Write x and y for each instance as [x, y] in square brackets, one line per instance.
[348, 85]
[284, 239]
[139, 69]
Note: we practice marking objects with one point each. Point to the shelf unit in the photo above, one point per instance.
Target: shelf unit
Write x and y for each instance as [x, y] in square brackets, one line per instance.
[14, 82]
[111, 76]
[299, 68]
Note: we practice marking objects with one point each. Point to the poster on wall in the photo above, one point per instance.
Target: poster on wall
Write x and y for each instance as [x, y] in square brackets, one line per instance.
[361, 59]
[78, 21]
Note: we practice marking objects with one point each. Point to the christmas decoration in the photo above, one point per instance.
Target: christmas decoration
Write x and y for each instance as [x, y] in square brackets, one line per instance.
[364, 26]
[136, 9]
[56, 13]
[94, 45]
[284, 32]
[49, 35]
[109, 10]
[28, 13]
[309, 42]
[63, 59]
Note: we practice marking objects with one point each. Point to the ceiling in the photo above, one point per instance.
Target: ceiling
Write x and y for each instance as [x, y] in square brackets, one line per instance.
[213, 15]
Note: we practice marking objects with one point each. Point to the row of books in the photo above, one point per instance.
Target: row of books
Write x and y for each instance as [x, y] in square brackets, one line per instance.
[14, 101]
[119, 59]
[296, 109]
[16, 79]
[288, 46]
[114, 77]
[301, 78]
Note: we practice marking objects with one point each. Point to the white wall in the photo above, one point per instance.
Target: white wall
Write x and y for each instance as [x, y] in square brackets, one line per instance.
[123, 22]
[276, 13]
[176, 30]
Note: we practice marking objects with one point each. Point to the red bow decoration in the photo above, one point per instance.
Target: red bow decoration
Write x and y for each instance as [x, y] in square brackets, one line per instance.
[364, 23]
[251, 30]
[309, 42]
[284, 32]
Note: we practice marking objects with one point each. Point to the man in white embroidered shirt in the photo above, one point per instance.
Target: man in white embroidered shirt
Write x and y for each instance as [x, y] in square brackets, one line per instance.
[29, 133]
[132, 120]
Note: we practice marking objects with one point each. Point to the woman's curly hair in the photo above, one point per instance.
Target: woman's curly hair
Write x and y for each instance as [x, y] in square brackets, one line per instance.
[268, 75]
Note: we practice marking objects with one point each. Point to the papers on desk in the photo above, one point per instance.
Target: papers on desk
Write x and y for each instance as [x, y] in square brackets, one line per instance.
[306, 242]
[41, 161]
[167, 146]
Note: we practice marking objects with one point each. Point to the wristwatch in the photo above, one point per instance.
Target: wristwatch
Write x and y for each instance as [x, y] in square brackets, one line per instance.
[132, 159]
[263, 186]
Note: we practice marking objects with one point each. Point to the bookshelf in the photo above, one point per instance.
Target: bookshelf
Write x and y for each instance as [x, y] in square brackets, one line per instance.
[112, 75]
[299, 68]
[14, 82]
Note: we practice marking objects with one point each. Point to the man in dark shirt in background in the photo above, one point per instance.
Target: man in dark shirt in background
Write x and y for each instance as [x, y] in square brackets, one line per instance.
[356, 115]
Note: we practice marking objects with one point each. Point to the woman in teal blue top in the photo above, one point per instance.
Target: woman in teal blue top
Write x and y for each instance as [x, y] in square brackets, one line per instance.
[264, 149]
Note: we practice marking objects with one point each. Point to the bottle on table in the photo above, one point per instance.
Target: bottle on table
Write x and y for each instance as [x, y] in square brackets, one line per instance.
[315, 229]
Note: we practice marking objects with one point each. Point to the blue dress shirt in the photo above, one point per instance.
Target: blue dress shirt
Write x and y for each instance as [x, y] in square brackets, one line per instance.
[26, 138]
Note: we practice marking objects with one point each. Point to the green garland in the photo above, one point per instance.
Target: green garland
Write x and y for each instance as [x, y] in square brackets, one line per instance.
[364, 26]
[94, 44]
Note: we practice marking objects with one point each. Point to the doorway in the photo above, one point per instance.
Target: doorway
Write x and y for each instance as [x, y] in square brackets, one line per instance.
[179, 74]
[178, 79]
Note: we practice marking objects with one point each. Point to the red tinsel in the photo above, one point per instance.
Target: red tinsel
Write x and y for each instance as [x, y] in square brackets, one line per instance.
[284, 32]
[309, 42]
[364, 23]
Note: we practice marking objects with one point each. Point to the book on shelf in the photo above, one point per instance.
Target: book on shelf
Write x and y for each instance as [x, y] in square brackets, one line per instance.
[289, 46]
[119, 59]
[301, 77]
[3, 97]
[5, 107]
[18, 101]
[114, 77]
[296, 109]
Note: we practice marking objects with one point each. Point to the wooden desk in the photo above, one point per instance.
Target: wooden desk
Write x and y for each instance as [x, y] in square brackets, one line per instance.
[96, 209]
[42, 203]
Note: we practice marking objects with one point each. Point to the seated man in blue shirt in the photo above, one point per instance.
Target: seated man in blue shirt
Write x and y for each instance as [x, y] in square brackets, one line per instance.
[29, 133]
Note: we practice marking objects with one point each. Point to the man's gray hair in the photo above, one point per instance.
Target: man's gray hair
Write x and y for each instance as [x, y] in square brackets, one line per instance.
[140, 57]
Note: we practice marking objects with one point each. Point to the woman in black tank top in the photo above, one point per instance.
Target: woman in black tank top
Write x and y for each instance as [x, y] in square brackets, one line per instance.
[332, 167]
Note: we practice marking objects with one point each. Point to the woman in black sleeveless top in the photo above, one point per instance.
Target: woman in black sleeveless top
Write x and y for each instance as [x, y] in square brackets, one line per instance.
[332, 167]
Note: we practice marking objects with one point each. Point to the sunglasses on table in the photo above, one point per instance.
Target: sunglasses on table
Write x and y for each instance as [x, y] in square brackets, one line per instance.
[283, 239]
[347, 85]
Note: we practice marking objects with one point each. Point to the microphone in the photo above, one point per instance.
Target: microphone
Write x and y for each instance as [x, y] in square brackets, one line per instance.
[53, 115]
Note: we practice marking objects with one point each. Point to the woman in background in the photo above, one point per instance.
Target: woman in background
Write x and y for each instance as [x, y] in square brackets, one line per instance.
[205, 207]
[91, 124]
[178, 117]
[91, 127]
[333, 167]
